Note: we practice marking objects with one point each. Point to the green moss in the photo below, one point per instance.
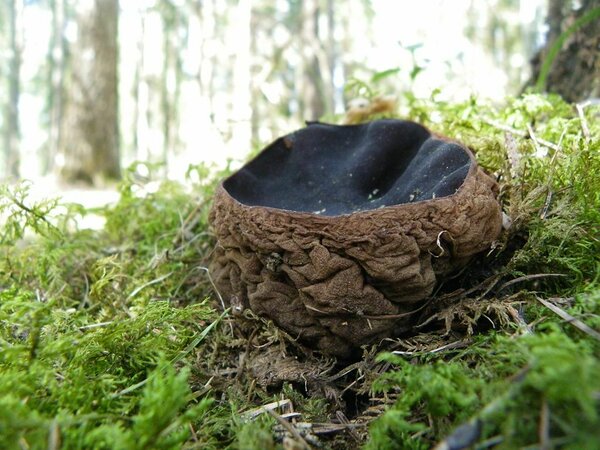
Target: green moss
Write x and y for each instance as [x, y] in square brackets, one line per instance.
[111, 338]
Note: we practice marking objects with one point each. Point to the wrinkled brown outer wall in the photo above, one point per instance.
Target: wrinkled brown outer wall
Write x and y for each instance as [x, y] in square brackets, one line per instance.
[324, 279]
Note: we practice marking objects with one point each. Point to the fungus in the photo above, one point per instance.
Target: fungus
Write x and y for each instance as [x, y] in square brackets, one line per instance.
[339, 233]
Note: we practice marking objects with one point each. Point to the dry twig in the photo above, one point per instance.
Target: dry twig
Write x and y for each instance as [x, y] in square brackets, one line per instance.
[544, 429]
[529, 278]
[569, 318]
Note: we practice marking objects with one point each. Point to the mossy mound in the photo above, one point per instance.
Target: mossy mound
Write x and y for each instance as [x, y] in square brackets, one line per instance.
[115, 339]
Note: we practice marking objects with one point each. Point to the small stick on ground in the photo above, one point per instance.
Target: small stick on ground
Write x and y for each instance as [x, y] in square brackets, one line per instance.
[529, 278]
[569, 318]
[544, 430]
[288, 426]
[584, 124]
[516, 316]
[193, 433]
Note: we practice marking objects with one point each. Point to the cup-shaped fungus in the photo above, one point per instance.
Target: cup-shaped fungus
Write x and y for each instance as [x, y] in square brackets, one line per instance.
[338, 233]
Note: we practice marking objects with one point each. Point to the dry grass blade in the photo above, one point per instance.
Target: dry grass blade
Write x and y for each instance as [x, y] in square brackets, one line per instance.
[254, 413]
[584, 124]
[452, 345]
[570, 319]
[190, 222]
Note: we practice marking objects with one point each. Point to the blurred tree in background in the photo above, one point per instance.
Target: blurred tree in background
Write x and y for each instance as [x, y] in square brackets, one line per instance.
[11, 13]
[89, 144]
[55, 61]
[93, 85]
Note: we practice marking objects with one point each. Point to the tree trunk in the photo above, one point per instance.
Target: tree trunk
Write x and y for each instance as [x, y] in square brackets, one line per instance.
[313, 105]
[331, 58]
[137, 89]
[240, 106]
[90, 147]
[56, 72]
[575, 72]
[165, 94]
[206, 73]
[11, 110]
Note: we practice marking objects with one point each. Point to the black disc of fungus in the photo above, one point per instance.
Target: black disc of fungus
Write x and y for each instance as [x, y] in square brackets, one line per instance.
[339, 234]
[333, 170]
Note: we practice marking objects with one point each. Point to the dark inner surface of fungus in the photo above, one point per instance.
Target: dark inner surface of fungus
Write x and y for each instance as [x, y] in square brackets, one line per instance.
[334, 170]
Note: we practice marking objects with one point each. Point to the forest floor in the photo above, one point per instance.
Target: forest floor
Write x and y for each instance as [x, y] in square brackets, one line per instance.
[92, 199]
[112, 337]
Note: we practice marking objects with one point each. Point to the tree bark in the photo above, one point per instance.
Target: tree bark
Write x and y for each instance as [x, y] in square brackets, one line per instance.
[575, 73]
[90, 147]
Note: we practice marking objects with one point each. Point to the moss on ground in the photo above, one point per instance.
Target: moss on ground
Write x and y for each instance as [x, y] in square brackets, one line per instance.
[114, 338]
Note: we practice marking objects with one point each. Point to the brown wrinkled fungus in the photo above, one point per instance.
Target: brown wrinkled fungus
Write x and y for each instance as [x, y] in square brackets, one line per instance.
[338, 233]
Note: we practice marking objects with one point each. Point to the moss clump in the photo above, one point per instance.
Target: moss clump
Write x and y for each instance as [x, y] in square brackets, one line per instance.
[114, 338]
[503, 385]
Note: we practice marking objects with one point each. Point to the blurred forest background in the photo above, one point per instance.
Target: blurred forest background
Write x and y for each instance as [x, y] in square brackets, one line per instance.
[90, 86]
